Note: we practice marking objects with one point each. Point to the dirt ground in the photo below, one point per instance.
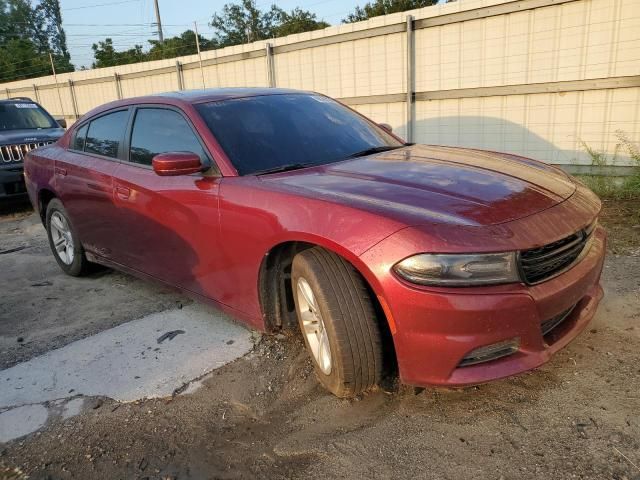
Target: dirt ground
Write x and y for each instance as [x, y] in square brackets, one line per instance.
[264, 415]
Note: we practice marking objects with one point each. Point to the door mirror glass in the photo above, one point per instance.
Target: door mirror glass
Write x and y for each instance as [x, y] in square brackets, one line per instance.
[386, 127]
[177, 163]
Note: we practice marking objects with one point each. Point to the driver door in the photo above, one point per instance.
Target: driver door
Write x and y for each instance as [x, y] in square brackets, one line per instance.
[169, 225]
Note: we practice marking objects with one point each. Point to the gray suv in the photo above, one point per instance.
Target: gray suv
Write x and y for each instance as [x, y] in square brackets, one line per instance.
[24, 126]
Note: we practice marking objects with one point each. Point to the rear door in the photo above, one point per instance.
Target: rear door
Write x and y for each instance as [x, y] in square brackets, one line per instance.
[169, 224]
[84, 179]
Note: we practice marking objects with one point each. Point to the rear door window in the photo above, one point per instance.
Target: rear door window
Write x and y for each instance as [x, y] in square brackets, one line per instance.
[79, 138]
[158, 130]
[106, 133]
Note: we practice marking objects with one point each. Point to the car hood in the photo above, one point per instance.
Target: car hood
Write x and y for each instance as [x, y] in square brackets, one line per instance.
[12, 137]
[432, 184]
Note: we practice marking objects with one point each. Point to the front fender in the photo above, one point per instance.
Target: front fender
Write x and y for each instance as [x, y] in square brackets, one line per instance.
[254, 221]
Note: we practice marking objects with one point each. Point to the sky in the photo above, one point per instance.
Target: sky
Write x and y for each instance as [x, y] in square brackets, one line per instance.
[128, 22]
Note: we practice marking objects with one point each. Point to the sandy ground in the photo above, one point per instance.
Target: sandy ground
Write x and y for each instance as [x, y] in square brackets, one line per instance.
[264, 416]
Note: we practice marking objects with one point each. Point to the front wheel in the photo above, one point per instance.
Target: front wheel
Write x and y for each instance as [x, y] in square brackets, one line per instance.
[64, 242]
[338, 322]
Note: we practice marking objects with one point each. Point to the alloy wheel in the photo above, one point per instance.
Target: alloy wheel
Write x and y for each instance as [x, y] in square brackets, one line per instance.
[313, 326]
[62, 238]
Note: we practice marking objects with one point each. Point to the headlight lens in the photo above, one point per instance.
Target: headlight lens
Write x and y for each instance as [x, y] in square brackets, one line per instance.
[459, 270]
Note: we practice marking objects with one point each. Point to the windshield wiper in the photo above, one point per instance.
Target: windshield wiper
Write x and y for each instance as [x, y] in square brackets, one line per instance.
[283, 168]
[372, 150]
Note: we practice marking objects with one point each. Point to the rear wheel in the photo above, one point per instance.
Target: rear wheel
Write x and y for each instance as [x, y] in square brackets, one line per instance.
[64, 242]
[338, 322]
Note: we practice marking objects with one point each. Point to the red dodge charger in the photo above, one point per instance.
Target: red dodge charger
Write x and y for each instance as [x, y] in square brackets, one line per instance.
[455, 266]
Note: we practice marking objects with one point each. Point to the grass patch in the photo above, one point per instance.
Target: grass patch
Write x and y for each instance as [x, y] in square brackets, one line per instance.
[616, 188]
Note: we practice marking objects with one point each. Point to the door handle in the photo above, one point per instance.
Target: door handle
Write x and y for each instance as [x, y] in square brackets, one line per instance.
[60, 171]
[123, 192]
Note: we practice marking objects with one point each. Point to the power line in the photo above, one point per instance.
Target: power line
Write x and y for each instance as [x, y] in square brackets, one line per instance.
[146, 24]
[99, 5]
[105, 34]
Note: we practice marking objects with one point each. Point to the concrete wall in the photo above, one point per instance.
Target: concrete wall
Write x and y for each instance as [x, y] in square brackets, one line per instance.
[533, 77]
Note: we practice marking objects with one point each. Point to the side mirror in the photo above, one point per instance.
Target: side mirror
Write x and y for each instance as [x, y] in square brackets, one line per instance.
[386, 126]
[176, 163]
[62, 122]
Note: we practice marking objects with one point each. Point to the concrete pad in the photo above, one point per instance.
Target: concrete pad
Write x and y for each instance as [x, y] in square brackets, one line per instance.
[21, 421]
[73, 407]
[127, 363]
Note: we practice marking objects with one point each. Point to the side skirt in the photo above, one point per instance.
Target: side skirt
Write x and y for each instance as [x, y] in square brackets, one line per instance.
[256, 323]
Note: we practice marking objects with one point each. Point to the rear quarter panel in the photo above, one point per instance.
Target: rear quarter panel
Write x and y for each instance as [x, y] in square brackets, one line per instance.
[39, 173]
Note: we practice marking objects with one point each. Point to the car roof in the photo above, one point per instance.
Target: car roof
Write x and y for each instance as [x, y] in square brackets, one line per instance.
[217, 94]
[17, 100]
[191, 97]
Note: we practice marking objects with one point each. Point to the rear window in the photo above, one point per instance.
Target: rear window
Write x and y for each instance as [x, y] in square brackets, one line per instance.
[24, 116]
[106, 133]
[271, 131]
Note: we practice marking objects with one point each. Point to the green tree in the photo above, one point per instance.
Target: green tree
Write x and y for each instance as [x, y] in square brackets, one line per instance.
[19, 60]
[243, 22]
[27, 35]
[183, 44]
[297, 21]
[48, 11]
[237, 23]
[376, 8]
[107, 56]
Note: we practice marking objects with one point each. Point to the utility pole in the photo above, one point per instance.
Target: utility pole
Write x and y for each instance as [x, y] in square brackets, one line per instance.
[195, 26]
[55, 79]
[158, 21]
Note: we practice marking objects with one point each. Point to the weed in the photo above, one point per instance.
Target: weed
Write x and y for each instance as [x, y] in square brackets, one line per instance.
[612, 187]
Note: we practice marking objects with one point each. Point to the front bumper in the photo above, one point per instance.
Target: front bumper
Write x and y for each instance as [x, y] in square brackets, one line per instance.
[12, 182]
[435, 328]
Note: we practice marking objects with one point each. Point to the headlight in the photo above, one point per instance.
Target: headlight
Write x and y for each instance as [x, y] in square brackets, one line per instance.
[459, 270]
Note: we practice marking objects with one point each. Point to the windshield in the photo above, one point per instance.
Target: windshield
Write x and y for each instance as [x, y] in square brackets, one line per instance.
[24, 115]
[270, 132]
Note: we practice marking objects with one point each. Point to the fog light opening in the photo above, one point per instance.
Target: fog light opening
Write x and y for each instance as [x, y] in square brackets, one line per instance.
[548, 326]
[491, 352]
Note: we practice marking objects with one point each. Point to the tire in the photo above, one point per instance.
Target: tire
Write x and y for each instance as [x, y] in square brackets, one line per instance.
[69, 253]
[347, 322]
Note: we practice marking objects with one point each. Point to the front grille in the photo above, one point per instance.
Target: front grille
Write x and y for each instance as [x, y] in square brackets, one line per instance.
[16, 153]
[555, 321]
[539, 264]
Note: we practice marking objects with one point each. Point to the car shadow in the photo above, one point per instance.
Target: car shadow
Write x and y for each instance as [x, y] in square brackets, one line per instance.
[15, 206]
